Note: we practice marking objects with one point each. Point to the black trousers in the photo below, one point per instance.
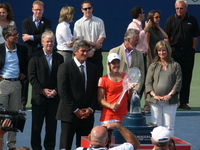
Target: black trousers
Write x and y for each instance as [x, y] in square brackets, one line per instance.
[97, 60]
[41, 113]
[69, 129]
[185, 57]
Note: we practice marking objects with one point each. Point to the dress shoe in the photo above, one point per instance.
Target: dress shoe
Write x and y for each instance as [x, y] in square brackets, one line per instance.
[184, 106]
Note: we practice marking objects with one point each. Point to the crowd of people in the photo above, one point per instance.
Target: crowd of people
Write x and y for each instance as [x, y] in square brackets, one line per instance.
[67, 84]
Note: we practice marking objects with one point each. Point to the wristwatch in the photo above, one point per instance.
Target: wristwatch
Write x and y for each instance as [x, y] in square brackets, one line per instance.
[153, 95]
[170, 94]
[93, 49]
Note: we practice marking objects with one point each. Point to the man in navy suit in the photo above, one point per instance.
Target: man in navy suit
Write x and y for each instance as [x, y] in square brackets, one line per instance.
[42, 74]
[77, 88]
[13, 69]
[32, 29]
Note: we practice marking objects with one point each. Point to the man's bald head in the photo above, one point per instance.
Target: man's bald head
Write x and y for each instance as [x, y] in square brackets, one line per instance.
[98, 136]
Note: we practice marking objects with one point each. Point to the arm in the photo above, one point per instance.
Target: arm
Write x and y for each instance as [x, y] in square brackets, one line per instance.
[32, 76]
[5, 123]
[178, 81]
[127, 134]
[64, 88]
[64, 32]
[162, 32]
[148, 47]
[148, 25]
[141, 68]
[195, 41]
[103, 102]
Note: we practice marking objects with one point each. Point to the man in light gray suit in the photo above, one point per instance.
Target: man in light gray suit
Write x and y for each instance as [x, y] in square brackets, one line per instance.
[130, 57]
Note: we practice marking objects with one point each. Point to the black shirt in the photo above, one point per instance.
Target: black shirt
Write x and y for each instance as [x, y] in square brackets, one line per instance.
[181, 31]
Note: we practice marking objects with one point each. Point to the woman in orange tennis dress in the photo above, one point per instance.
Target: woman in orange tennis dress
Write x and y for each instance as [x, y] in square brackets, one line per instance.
[109, 89]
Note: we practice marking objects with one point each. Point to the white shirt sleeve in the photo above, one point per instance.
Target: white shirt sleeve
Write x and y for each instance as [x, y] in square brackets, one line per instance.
[124, 146]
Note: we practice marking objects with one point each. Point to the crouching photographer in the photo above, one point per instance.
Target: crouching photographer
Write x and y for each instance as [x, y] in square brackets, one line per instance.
[5, 123]
[13, 121]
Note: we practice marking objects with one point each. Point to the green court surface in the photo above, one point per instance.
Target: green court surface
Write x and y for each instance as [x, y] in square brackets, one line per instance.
[194, 101]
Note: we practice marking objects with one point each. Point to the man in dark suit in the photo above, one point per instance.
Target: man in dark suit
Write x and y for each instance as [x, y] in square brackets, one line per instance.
[42, 74]
[13, 68]
[77, 88]
[32, 29]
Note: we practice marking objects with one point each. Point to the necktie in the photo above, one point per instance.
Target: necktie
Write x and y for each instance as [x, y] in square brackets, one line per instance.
[37, 22]
[83, 73]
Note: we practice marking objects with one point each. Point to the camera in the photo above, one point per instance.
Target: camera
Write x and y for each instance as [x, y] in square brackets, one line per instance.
[17, 118]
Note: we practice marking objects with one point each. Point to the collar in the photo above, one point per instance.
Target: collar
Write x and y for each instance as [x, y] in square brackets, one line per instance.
[14, 50]
[126, 50]
[34, 19]
[67, 24]
[84, 18]
[137, 21]
[78, 63]
[93, 147]
[46, 53]
[186, 16]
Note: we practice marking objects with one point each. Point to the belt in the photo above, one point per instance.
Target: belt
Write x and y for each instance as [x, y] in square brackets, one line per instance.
[10, 79]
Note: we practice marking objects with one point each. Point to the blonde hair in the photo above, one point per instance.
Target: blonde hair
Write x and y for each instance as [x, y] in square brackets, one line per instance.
[159, 45]
[38, 3]
[47, 33]
[66, 14]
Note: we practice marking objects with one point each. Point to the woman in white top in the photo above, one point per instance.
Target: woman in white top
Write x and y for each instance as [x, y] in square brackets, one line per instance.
[64, 37]
[6, 18]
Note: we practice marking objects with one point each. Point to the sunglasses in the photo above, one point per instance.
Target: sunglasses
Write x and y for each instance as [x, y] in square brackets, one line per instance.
[87, 8]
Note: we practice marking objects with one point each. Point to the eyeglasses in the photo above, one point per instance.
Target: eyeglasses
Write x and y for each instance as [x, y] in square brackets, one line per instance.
[87, 8]
[179, 8]
[15, 34]
[143, 12]
[38, 9]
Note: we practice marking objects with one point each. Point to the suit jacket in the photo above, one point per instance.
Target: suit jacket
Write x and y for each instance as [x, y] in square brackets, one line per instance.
[175, 80]
[22, 56]
[28, 27]
[41, 77]
[72, 90]
[137, 61]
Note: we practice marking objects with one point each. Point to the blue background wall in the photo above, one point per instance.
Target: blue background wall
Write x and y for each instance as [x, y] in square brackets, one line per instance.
[116, 14]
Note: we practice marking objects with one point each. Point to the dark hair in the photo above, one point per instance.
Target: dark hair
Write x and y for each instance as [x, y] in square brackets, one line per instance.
[80, 43]
[9, 11]
[86, 2]
[151, 17]
[7, 30]
[136, 11]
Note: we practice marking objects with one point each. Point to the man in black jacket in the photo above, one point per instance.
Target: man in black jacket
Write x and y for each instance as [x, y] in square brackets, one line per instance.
[42, 74]
[32, 29]
[13, 68]
[77, 88]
